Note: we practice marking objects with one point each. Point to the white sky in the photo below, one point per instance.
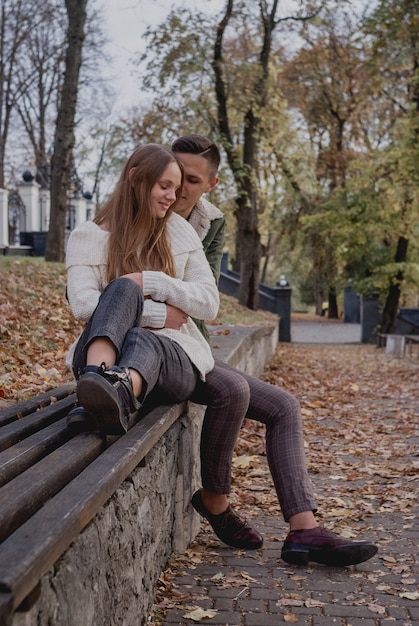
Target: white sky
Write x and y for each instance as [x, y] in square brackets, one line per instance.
[125, 22]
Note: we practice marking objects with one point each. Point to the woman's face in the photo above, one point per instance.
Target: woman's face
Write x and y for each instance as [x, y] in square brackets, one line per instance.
[163, 193]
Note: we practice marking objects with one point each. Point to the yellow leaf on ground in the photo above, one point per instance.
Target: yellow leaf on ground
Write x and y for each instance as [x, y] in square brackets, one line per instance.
[245, 460]
[197, 615]
[410, 595]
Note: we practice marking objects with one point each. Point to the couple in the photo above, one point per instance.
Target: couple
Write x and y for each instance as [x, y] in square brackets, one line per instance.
[143, 275]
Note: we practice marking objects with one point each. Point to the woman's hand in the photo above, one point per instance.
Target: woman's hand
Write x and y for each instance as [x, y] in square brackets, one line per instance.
[137, 277]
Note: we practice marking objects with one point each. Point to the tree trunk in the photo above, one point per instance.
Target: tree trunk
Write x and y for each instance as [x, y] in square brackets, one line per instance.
[333, 312]
[265, 252]
[248, 242]
[64, 133]
[244, 168]
[391, 307]
[14, 24]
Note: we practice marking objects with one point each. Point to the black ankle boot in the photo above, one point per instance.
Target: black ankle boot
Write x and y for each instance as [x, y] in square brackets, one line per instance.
[79, 420]
[108, 395]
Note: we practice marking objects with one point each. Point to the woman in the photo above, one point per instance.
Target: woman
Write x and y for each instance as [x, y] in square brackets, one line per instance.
[135, 253]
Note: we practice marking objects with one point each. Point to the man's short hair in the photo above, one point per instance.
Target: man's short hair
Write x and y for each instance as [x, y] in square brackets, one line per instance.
[200, 145]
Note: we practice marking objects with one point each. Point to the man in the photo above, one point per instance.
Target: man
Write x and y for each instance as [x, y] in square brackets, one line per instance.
[228, 391]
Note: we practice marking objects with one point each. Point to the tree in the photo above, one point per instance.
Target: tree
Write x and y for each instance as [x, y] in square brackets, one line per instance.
[379, 230]
[395, 28]
[16, 23]
[39, 78]
[328, 81]
[240, 78]
[61, 161]
[245, 162]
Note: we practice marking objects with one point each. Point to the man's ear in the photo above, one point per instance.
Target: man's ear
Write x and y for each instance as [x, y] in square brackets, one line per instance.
[213, 183]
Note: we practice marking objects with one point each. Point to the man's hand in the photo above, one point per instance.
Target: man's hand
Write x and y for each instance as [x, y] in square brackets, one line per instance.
[175, 317]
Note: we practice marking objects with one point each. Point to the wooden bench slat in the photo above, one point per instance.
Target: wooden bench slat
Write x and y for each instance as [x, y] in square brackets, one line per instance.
[22, 428]
[23, 454]
[19, 410]
[26, 493]
[35, 546]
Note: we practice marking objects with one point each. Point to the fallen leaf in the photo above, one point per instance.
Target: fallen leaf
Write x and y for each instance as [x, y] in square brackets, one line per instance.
[197, 615]
[244, 461]
[312, 603]
[290, 602]
[410, 595]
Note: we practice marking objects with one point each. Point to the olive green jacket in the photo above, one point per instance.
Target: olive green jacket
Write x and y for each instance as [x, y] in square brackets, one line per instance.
[209, 222]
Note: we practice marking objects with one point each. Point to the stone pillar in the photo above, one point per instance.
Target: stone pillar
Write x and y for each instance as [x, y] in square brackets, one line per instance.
[80, 210]
[282, 294]
[4, 219]
[44, 209]
[29, 192]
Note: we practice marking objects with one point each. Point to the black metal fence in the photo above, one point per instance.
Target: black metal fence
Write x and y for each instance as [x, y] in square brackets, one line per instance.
[274, 299]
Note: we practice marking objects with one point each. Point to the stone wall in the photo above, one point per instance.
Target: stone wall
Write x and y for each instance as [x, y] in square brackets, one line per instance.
[108, 574]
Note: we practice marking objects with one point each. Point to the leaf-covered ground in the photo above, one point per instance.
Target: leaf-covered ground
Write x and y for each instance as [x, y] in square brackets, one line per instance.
[36, 328]
[361, 410]
[361, 422]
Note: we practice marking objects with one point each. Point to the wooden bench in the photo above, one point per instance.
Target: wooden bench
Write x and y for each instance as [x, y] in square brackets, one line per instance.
[400, 345]
[53, 483]
[59, 490]
[410, 342]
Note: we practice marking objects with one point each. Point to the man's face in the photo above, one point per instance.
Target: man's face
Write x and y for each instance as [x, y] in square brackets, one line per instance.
[198, 180]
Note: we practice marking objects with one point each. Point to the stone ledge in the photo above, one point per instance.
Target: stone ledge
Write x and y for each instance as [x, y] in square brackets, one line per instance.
[109, 572]
[247, 348]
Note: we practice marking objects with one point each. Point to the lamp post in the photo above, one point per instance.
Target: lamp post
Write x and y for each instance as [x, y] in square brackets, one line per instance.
[89, 204]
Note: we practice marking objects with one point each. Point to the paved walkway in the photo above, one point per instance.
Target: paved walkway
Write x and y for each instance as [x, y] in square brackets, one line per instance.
[224, 586]
[258, 589]
[325, 332]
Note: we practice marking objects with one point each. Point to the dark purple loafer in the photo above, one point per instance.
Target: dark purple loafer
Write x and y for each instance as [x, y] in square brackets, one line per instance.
[229, 526]
[322, 546]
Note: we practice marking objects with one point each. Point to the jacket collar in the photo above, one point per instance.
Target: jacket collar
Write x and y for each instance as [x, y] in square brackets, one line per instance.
[202, 215]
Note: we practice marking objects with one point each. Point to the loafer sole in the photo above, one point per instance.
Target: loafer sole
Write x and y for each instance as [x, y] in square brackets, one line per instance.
[98, 397]
[79, 424]
[339, 557]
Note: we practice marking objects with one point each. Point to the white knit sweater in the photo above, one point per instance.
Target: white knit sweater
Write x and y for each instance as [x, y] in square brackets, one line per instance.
[193, 290]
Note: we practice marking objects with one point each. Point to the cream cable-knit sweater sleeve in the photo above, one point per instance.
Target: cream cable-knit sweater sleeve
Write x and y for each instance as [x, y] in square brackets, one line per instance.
[193, 290]
[154, 313]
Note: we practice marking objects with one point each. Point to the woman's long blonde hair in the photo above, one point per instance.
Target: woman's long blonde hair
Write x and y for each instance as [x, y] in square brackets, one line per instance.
[138, 240]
